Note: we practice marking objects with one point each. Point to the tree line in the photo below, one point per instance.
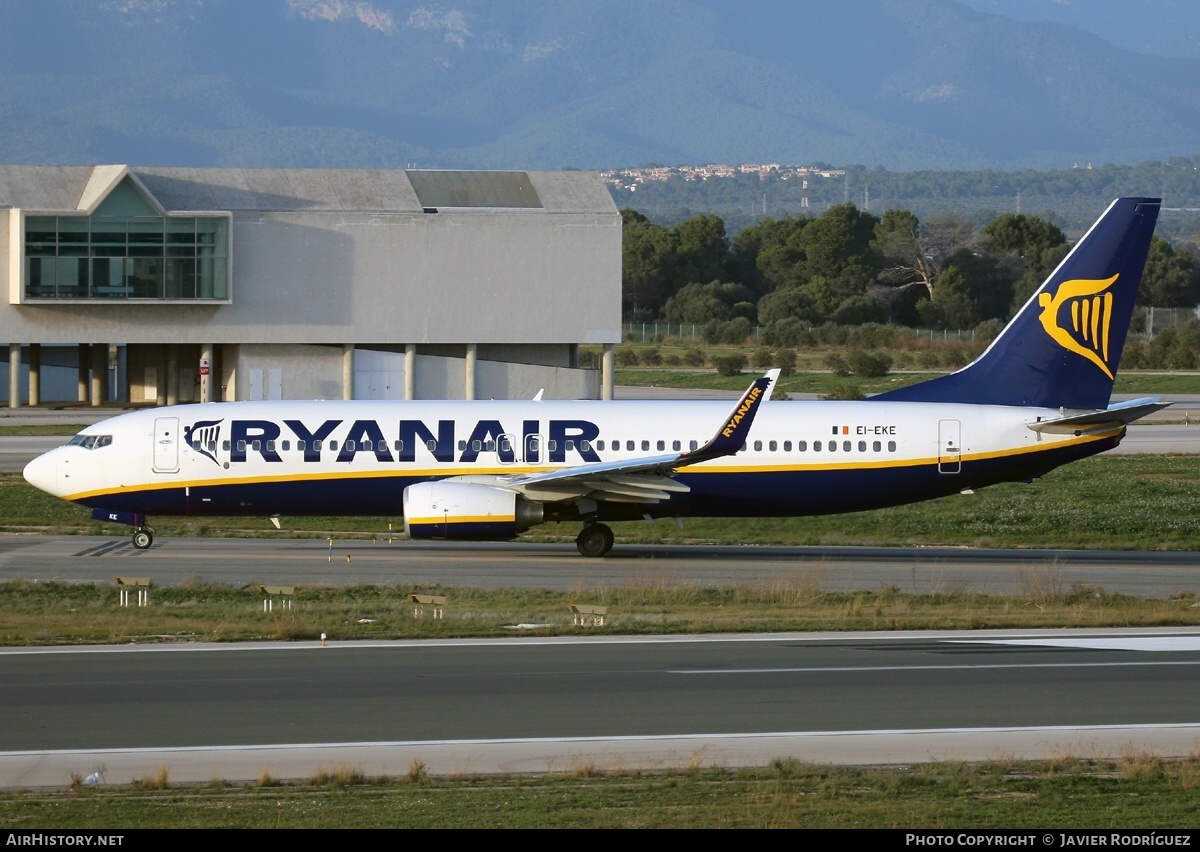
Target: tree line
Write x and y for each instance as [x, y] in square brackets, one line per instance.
[849, 267]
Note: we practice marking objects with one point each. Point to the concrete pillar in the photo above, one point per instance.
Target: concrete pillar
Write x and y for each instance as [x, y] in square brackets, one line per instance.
[608, 363]
[35, 374]
[172, 374]
[160, 391]
[99, 372]
[469, 383]
[347, 371]
[410, 371]
[206, 357]
[84, 358]
[14, 375]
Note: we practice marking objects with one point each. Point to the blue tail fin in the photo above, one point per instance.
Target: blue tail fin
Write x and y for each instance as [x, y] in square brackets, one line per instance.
[1062, 348]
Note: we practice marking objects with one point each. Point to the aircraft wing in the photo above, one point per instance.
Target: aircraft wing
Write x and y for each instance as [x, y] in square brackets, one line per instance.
[647, 479]
[1120, 414]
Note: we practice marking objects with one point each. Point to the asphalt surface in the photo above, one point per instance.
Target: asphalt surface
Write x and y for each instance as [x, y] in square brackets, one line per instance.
[538, 705]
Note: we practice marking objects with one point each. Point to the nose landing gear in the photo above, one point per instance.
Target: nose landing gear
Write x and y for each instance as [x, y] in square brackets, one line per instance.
[142, 537]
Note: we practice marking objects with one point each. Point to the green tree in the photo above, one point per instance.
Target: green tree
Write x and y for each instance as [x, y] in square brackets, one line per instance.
[1023, 236]
[700, 303]
[702, 249]
[914, 253]
[648, 261]
[768, 256]
[1171, 279]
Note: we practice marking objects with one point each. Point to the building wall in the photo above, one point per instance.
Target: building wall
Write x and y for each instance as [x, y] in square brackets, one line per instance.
[409, 278]
[322, 258]
[315, 372]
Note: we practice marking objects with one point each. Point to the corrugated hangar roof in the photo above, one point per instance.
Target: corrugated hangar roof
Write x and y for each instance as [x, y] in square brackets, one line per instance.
[66, 188]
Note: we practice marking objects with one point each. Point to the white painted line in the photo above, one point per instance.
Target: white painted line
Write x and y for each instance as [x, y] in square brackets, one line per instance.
[1100, 643]
[882, 732]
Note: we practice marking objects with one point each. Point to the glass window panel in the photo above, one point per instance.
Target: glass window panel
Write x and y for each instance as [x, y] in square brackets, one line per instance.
[74, 231]
[72, 277]
[145, 278]
[180, 279]
[146, 231]
[182, 232]
[108, 232]
[108, 278]
[40, 277]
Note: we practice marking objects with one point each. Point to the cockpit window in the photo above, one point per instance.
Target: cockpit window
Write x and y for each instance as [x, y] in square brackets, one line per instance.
[90, 442]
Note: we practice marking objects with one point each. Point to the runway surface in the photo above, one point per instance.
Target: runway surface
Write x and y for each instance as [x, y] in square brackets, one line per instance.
[287, 561]
[568, 704]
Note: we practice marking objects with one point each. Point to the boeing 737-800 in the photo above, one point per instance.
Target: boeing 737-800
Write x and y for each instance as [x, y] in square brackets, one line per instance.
[1037, 398]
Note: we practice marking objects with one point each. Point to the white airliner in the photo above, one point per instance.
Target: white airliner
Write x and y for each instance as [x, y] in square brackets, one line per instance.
[1036, 399]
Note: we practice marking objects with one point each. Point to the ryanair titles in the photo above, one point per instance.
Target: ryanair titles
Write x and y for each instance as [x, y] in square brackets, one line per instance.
[400, 443]
[747, 405]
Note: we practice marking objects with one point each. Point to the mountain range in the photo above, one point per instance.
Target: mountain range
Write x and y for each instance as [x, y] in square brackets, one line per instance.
[544, 84]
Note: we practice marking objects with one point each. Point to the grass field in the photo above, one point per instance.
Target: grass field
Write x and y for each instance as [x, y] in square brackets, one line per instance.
[1071, 791]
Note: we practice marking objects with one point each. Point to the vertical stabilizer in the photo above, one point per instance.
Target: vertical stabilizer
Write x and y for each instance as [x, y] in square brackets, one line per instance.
[1063, 346]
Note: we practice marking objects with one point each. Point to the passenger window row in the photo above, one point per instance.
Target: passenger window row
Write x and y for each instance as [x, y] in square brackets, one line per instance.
[90, 441]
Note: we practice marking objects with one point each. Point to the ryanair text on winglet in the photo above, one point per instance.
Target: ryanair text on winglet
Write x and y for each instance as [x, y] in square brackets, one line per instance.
[743, 410]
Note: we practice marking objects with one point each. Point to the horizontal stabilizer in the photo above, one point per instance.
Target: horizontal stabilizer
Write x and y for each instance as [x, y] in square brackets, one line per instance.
[1113, 417]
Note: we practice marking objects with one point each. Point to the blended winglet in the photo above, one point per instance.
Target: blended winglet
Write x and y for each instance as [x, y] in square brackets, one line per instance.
[732, 434]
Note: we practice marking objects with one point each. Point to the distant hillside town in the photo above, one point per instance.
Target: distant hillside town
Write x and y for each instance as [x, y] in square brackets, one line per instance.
[630, 179]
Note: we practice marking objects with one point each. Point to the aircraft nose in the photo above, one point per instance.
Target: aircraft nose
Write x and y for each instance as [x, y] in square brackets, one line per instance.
[42, 472]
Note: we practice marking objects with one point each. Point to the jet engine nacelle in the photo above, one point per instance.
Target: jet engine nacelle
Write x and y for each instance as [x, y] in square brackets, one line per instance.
[466, 510]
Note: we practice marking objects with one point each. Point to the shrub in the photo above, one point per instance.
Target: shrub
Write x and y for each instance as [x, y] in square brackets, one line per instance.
[694, 357]
[869, 364]
[837, 364]
[730, 365]
[627, 357]
[846, 392]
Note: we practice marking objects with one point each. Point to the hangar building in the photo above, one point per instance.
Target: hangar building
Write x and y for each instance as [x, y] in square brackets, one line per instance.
[165, 285]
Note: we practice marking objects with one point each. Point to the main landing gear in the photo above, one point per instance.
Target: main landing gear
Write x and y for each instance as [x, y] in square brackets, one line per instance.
[143, 537]
[595, 540]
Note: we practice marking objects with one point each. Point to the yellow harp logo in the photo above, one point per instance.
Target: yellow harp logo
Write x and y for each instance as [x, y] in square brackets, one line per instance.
[1090, 314]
